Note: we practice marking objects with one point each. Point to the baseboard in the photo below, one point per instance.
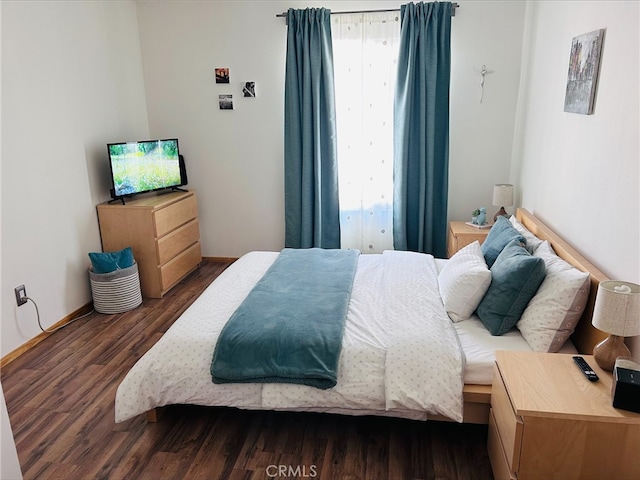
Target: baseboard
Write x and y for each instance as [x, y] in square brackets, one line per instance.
[10, 357]
[220, 259]
[4, 361]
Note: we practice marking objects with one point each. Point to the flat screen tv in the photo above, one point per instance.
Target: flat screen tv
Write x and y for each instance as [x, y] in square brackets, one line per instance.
[145, 166]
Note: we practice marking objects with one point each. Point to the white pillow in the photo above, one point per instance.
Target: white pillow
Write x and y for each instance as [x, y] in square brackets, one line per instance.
[463, 281]
[554, 311]
[533, 242]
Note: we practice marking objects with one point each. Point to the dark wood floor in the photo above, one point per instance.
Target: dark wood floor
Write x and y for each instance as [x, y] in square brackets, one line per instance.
[60, 398]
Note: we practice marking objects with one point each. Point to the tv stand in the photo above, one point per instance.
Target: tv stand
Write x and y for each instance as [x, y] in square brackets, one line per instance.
[162, 231]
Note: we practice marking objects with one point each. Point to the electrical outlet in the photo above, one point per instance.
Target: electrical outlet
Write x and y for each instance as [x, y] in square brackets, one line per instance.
[21, 295]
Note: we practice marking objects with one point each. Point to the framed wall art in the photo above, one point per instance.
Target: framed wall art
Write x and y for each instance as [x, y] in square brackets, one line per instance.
[225, 101]
[582, 79]
[222, 75]
[249, 89]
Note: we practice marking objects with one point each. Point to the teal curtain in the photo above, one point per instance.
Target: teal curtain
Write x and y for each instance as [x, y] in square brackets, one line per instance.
[421, 128]
[312, 215]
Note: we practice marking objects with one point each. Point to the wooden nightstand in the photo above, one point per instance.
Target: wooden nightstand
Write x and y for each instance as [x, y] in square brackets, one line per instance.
[548, 421]
[461, 235]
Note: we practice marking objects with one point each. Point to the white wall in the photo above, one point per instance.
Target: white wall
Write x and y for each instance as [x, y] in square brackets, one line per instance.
[71, 82]
[235, 158]
[581, 173]
[483, 33]
[10, 465]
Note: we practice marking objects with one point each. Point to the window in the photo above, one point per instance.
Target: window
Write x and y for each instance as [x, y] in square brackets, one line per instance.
[365, 52]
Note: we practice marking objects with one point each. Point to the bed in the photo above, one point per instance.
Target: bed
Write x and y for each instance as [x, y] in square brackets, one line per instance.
[383, 368]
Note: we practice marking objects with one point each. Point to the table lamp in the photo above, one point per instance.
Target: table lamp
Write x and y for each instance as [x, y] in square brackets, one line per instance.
[616, 312]
[502, 196]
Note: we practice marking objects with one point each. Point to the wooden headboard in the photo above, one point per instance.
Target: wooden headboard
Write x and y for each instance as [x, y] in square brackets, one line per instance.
[586, 336]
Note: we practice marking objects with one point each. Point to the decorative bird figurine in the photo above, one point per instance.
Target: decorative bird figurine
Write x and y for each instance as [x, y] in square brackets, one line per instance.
[482, 218]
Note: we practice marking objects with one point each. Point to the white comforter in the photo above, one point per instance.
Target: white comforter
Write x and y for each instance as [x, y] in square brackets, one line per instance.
[400, 354]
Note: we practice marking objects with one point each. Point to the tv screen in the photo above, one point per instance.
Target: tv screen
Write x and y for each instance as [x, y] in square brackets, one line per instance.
[138, 167]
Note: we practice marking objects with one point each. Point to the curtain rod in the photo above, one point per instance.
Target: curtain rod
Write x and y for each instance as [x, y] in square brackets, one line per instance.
[453, 11]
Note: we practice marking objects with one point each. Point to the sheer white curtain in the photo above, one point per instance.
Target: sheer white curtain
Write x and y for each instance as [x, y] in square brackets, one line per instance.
[365, 53]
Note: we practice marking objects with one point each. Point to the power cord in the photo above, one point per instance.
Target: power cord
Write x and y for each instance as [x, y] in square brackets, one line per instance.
[59, 326]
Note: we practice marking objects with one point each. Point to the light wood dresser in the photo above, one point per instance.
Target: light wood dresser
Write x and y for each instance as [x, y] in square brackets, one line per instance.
[162, 231]
[547, 421]
[460, 235]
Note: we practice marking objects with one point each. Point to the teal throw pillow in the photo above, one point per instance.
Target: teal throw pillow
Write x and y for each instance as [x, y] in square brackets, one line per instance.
[516, 276]
[499, 236]
[111, 261]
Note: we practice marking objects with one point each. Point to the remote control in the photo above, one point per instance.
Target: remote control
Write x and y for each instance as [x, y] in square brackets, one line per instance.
[586, 369]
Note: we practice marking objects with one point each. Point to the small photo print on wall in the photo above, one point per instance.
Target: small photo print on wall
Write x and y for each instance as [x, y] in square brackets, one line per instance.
[584, 63]
[225, 101]
[222, 75]
[249, 89]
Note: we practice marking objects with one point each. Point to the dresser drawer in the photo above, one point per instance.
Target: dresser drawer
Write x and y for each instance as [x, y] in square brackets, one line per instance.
[172, 216]
[173, 271]
[508, 425]
[177, 241]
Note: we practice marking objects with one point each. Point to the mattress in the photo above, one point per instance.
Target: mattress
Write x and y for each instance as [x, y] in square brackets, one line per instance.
[479, 348]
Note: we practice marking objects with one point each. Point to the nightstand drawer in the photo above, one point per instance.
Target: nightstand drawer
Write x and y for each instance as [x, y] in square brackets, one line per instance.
[452, 246]
[508, 425]
[460, 235]
[499, 464]
[464, 240]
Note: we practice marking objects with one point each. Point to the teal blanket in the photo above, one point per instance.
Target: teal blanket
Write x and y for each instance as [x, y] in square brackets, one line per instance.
[289, 328]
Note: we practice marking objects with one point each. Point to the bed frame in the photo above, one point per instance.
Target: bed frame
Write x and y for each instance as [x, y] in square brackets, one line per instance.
[477, 398]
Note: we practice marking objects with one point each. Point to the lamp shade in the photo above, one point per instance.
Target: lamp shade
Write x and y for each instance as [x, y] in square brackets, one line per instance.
[503, 195]
[617, 308]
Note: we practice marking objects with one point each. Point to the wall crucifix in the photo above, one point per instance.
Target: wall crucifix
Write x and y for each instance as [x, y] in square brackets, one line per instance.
[481, 73]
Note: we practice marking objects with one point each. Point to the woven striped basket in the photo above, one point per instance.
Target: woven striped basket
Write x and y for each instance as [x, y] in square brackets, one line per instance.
[116, 292]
